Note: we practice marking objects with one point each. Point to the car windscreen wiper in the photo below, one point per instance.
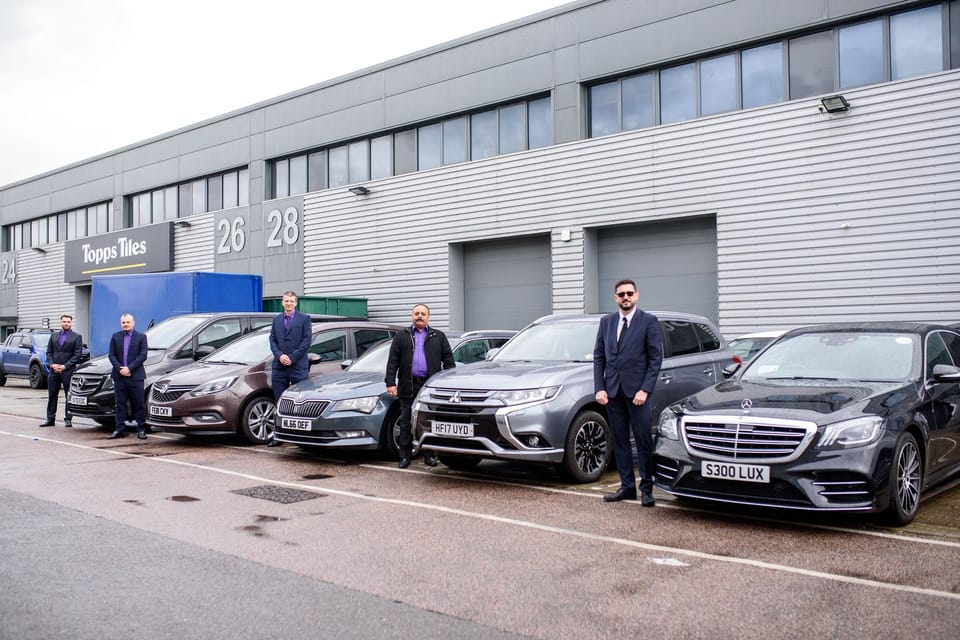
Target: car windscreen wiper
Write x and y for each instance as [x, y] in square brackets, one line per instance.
[802, 378]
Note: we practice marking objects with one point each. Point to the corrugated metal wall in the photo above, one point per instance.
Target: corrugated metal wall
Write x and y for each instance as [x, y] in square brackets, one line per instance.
[819, 218]
[41, 291]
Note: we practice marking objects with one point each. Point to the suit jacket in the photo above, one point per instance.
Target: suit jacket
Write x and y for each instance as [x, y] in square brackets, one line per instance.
[295, 342]
[636, 365]
[136, 355]
[436, 350]
[69, 354]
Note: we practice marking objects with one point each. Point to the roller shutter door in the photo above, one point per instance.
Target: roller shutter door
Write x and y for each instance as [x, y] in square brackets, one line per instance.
[506, 282]
[674, 264]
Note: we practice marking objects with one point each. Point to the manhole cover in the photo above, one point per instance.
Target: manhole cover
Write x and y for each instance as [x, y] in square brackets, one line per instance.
[273, 493]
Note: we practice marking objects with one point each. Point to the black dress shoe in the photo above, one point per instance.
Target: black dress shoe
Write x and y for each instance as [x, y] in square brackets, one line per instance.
[67, 424]
[623, 493]
[404, 462]
[46, 423]
[646, 500]
[430, 459]
[142, 434]
[117, 434]
[274, 443]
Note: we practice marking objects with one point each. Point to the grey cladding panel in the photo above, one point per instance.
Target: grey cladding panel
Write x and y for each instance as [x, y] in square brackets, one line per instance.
[507, 283]
[673, 263]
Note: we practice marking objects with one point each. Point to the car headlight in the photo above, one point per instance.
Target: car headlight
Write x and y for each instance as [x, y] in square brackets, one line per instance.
[523, 396]
[364, 405]
[108, 383]
[669, 426]
[214, 386]
[851, 433]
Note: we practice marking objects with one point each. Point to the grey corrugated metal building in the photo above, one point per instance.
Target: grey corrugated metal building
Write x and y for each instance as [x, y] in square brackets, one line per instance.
[524, 169]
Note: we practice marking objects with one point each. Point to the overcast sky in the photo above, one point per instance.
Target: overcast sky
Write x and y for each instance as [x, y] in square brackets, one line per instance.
[82, 77]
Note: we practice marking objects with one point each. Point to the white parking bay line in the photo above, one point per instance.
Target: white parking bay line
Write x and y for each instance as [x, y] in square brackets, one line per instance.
[661, 550]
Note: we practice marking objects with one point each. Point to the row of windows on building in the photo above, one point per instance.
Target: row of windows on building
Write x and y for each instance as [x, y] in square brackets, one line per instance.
[505, 129]
[212, 193]
[892, 47]
[60, 227]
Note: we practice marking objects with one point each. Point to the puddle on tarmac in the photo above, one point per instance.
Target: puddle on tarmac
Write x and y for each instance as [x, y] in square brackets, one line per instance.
[183, 499]
[316, 476]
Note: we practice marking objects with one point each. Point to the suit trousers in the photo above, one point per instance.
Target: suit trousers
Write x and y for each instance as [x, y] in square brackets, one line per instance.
[126, 390]
[54, 382]
[281, 379]
[626, 418]
[405, 435]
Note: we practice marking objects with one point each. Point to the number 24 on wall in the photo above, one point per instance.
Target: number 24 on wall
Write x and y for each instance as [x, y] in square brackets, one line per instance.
[284, 229]
[8, 271]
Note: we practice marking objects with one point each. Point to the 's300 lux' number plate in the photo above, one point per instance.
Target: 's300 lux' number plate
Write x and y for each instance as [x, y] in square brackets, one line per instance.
[455, 429]
[734, 471]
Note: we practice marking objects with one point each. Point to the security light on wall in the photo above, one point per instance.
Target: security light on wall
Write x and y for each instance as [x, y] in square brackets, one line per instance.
[183, 224]
[834, 104]
[360, 190]
[39, 250]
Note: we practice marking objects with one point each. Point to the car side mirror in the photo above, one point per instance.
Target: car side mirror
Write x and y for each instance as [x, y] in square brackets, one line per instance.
[946, 373]
[346, 363]
[731, 369]
[204, 351]
[312, 359]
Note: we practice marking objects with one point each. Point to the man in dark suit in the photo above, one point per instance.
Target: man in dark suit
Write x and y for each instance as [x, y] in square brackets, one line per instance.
[416, 353]
[290, 336]
[63, 354]
[128, 352]
[626, 364]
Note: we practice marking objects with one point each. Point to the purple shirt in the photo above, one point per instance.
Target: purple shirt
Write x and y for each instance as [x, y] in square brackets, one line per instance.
[63, 337]
[126, 346]
[287, 319]
[419, 369]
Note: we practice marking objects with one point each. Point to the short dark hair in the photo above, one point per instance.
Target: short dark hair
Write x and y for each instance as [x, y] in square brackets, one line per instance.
[65, 315]
[420, 304]
[623, 282]
[289, 293]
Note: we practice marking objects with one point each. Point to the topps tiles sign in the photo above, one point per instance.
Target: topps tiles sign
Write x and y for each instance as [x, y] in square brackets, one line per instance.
[139, 250]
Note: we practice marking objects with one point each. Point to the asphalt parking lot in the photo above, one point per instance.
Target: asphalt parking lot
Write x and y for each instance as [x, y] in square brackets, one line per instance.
[506, 550]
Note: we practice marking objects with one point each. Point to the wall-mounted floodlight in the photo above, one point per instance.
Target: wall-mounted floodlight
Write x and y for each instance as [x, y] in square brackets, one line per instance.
[834, 104]
[183, 224]
[360, 190]
[39, 250]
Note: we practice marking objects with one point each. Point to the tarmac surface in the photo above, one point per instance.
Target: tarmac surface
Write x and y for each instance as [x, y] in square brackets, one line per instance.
[211, 538]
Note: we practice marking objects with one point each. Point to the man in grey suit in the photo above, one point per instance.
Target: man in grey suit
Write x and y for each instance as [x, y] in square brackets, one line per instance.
[626, 364]
[63, 354]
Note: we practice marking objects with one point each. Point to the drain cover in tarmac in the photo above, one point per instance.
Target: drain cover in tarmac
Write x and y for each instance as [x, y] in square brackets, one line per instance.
[282, 495]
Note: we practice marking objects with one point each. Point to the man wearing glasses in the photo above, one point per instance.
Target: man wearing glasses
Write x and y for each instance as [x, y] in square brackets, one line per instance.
[626, 364]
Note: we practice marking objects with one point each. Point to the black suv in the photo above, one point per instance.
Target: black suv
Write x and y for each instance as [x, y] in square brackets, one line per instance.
[173, 343]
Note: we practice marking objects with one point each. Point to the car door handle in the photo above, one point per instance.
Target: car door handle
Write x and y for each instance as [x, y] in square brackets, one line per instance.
[708, 371]
[666, 377]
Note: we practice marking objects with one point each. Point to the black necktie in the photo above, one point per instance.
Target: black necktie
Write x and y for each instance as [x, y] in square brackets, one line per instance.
[623, 332]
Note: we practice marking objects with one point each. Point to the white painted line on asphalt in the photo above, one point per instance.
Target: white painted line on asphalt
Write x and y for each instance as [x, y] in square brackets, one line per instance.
[573, 533]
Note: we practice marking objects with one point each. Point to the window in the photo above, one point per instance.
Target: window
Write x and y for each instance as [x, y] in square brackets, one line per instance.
[455, 141]
[219, 333]
[317, 171]
[405, 152]
[636, 95]
[470, 351]
[811, 65]
[916, 43]
[955, 34]
[281, 178]
[603, 109]
[937, 353]
[429, 147]
[186, 199]
[339, 168]
[381, 157]
[366, 338]
[718, 85]
[483, 135]
[708, 339]
[861, 54]
[761, 75]
[680, 338]
[214, 193]
[539, 124]
[298, 175]
[229, 190]
[513, 135]
[243, 184]
[199, 196]
[359, 161]
[329, 345]
[678, 94]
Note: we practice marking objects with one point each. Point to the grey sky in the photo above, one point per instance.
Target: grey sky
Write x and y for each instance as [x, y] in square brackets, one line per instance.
[82, 77]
